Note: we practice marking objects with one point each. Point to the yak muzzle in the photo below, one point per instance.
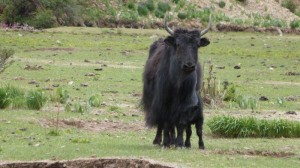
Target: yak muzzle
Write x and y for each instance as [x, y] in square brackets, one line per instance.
[189, 67]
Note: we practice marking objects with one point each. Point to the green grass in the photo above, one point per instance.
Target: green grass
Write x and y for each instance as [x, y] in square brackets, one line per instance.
[232, 127]
[67, 54]
[35, 99]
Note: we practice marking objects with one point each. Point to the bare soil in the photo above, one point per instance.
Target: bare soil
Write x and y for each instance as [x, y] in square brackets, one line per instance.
[90, 163]
[281, 154]
[94, 125]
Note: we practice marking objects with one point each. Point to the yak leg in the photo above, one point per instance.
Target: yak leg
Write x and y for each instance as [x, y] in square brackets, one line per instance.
[180, 129]
[187, 143]
[173, 136]
[166, 141]
[158, 136]
[199, 124]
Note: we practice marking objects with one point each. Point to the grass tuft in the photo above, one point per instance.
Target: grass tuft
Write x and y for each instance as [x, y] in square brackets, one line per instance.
[232, 127]
[35, 99]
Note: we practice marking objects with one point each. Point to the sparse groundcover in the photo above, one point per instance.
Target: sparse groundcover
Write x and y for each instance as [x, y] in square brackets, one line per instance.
[232, 127]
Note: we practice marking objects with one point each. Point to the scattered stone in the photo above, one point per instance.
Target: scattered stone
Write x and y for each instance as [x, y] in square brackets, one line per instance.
[291, 112]
[98, 69]
[237, 66]
[252, 45]
[263, 98]
[33, 82]
[220, 67]
[33, 67]
[238, 76]
[87, 61]
[291, 98]
[90, 74]
[55, 85]
[292, 73]
[84, 85]
[47, 80]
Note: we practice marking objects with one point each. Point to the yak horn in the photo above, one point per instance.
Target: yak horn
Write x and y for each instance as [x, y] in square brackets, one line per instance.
[169, 30]
[208, 27]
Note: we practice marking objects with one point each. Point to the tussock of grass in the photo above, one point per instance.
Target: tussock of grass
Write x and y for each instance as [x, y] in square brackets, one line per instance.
[35, 99]
[232, 127]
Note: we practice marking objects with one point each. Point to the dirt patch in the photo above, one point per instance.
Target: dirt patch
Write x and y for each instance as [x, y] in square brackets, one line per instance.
[255, 153]
[94, 125]
[51, 49]
[90, 163]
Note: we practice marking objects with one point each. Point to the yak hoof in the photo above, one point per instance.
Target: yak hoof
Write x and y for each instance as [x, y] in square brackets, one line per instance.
[201, 147]
[187, 145]
[156, 141]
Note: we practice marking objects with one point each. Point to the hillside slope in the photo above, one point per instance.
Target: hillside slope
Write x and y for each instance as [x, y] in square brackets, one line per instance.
[251, 7]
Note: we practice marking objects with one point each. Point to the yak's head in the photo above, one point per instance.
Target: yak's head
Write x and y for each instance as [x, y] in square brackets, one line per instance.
[186, 44]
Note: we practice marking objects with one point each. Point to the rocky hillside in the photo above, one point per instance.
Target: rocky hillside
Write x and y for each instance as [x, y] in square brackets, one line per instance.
[150, 13]
[249, 8]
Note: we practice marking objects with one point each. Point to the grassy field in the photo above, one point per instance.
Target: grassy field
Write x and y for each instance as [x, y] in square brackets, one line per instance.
[67, 55]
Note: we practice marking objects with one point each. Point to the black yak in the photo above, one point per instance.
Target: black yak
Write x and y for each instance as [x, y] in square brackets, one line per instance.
[171, 86]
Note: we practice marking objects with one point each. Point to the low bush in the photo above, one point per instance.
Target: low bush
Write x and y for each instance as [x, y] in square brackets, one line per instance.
[95, 101]
[131, 16]
[289, 4]
[43, 19]
[232, 127]
[4, 99]
[295, 24]
[150, 5]
[142, 9]
[5, 54]
[182, 15]
[13, 96]
[163, 6]
[222, 4]
[159, 14]
[35, 99]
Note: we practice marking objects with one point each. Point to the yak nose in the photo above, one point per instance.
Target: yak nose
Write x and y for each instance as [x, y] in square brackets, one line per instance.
[188, 67]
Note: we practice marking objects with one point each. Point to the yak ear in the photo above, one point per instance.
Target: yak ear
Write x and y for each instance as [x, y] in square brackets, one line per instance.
[170, 41]
[204, 42]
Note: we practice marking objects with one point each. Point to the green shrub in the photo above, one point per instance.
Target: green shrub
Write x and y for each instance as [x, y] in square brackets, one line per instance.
[176, 1]
[182, 15]
[10, 95]
[132, 16]
[5, 54]
[232, 127]
[79, 108]
[142, 9]
[159, 13]
[242, 1]
[297, 13]
[163, 7]
[289, 4]
[4, 99]
[131, 5]
[150, 5]
[95, 101]
[295, 24]
[230, 92]
[44, 19]
[63, 95]
[222, 4]
[245, 102]
[35, 99]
